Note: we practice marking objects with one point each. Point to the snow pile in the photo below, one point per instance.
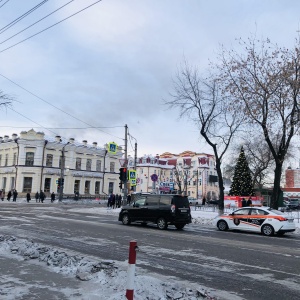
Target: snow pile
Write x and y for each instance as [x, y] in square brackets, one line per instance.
[110, 279]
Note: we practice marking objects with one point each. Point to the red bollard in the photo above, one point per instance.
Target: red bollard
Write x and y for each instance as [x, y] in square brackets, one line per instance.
[131, 270]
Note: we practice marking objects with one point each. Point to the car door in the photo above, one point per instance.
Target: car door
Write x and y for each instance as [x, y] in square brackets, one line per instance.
[152, 205]
[239, 219]
[256, 219]
[137, 210]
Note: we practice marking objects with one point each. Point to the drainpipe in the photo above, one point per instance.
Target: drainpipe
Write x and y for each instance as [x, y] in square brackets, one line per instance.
[42, 168]
[17, 164]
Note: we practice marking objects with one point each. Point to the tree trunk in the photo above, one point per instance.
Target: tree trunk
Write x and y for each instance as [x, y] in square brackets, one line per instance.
[221, 186]
[276, 189]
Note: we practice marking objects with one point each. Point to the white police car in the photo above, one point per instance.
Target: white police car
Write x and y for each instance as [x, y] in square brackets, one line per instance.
[256, 219]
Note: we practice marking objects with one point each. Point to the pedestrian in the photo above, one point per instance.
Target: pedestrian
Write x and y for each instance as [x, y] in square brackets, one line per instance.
[120, 201]
[1, 194]
[15, 194]
[42, 196]
[28, 197]
[128, 199]
[8, 195]
[52, 197]
[117, 200]
[249, 202]
[37, 197]
[203, 201]
[244, 203]
[109, 201]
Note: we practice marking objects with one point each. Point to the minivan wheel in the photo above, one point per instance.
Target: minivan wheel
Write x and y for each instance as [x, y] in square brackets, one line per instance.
[222, 225]
[161, 223]
[179, 226]
[267, 230]
[125, 219]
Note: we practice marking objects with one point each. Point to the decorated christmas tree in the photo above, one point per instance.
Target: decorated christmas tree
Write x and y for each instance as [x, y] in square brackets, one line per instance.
[242, 181]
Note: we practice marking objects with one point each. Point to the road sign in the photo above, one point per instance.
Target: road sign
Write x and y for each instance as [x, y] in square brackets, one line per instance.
[112, 147]
[154, 177]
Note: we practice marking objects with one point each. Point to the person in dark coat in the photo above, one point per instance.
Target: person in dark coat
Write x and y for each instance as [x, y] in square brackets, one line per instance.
[3, 194]
[113, 202]
[28, 197]
[249, 202]
[42, 196]
[52, 197]
[128, 199]
[15, 194]
[37, 197]
[244, 203]
[120, 201]
[117, 200]
[8, 195]
[203, 201]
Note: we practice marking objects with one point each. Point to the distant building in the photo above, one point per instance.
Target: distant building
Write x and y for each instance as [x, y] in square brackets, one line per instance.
[33, 162]
[194, 171]
[292, 183]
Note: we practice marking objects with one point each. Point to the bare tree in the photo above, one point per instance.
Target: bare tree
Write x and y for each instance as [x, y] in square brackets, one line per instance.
[265, 84]
[5, 100]
[199, 99]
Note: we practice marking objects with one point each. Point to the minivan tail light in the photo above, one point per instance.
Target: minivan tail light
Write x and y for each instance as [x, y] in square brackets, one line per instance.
[173, 208]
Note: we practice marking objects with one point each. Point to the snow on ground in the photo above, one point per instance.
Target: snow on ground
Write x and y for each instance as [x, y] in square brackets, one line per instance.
[104, 279]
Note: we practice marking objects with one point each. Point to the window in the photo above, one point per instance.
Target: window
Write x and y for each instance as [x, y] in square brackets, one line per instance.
[47, 185]
[76, 186]
[15, 159]
[49, 160]
[27, 184]
[112, 167]
[244, 211]
[87, 187]
[29, 159]
[4, 183]
[97, 187]
[88, 164]
[98, 165]
[78, 163]
[153, 200]
[12, 183]
[256, 211]
[0, 159]
[6, 160]
[110, 187]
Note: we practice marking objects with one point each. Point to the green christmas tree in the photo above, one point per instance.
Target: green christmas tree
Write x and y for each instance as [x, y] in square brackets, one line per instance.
[242, 181]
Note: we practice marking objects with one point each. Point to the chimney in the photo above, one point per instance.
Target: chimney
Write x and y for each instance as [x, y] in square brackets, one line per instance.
[95, 144]
[71, 140]
[57, 139]
[84, 142]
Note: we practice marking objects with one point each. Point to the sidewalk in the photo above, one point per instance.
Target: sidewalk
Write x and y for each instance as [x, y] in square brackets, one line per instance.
[31, 280]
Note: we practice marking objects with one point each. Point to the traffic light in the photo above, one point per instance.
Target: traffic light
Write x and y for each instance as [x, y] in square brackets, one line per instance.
[120, 185]
[123, 174]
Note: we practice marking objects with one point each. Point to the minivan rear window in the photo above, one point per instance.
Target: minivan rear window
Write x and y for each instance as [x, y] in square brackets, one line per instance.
[180, 201]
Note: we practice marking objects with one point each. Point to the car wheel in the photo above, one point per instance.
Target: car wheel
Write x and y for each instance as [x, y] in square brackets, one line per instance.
[179, 226]
[161, 223]
[125, 219]
[267, 230]
[222, 225]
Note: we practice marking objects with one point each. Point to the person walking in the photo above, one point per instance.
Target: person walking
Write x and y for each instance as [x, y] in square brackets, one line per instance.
[8, 195]
[128, 199]
[3, 195]
[28, 198]
[203, 201]
[120, 201]
[42, 196]
[37, 197]
[15, 194]
[52, 197]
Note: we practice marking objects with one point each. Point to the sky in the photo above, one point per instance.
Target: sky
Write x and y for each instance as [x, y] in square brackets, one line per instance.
[114, 64]
[48, 268]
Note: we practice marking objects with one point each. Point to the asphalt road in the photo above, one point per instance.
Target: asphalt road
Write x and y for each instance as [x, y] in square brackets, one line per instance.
[250, 266]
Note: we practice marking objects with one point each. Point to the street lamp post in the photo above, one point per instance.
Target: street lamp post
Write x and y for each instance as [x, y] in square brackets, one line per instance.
[62, 170]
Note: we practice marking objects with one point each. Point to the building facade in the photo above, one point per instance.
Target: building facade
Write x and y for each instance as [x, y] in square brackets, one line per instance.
[32, 162]
[194, 172]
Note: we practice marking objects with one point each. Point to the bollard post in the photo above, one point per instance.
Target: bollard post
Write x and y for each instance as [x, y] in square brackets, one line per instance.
[131, 270]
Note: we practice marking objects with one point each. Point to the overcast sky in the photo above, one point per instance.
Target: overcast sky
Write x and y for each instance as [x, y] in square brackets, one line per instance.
[113, 63]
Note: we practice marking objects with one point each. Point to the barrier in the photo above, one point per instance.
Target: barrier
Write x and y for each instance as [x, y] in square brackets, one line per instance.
[131, 269]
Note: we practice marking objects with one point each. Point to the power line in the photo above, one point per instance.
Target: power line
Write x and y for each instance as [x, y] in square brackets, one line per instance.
[3, 3]
[90, 126]
[51, 26]
[12, 23]
[36, 22]
[77, 128]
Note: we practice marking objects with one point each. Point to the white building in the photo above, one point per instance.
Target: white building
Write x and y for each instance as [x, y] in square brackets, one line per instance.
[32, 162]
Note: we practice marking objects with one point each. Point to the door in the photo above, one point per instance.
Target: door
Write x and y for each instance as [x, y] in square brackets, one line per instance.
[256, 219]
[239, 219]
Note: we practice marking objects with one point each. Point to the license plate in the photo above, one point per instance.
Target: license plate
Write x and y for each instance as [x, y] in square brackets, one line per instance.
[184, 210]
[291, 220]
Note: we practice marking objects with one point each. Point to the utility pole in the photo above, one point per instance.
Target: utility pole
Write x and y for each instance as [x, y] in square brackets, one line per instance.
[126, 163]
[135, 159]
[62, 171]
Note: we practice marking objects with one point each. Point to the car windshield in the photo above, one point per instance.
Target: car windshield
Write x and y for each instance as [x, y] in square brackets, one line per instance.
[180, 201]
[294, 201]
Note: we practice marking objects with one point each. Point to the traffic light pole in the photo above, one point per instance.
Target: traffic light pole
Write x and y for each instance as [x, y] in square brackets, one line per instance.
[126, 163]
[62, 173]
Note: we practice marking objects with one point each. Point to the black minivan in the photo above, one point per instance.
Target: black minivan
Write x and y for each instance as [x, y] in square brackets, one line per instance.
[162, 210]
